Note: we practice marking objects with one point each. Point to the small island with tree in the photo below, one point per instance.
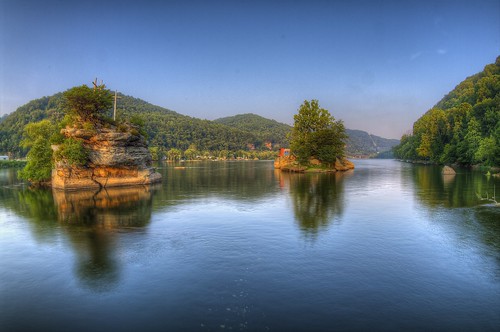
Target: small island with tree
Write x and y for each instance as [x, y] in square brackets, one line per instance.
[87, 148]
[317, 142]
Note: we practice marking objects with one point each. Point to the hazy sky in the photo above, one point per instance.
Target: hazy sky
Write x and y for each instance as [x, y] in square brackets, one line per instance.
[377, 65]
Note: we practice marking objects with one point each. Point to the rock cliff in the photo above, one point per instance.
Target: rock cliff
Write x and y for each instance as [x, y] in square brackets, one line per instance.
[115, 158]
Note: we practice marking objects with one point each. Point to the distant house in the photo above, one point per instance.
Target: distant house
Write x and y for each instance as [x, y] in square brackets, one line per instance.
[284, 152]
[4, 157]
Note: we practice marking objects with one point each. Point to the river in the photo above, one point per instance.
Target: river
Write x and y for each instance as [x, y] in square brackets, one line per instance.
[240, 246]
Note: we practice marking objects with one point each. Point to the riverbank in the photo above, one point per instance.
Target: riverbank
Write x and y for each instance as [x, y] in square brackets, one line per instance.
[12, 163]
[494, 170]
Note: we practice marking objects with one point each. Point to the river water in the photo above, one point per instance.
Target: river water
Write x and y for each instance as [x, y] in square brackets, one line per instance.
[240, 246]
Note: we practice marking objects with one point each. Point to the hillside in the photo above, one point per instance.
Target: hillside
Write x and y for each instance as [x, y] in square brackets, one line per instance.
[362, 144]
[167, 129]
[268, 130]
[463, 127]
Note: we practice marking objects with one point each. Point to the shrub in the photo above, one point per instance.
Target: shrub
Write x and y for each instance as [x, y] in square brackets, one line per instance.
[72, 152]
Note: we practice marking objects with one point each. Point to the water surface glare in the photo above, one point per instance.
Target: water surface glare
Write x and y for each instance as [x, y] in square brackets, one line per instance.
[240, 246]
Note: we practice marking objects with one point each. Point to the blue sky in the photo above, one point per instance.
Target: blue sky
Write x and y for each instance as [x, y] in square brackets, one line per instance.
[377, 65]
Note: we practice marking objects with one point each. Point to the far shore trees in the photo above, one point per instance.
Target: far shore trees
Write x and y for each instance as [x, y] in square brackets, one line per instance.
[316, 134]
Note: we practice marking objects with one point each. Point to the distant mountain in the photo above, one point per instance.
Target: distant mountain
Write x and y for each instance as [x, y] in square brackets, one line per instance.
[359, 143]
[363, 144]
[168, 129]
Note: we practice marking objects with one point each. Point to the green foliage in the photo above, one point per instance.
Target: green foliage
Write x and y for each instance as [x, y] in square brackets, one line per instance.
[166, 129]
[72, 152]
[12, 127]
[316, 134]
[86, 103]
[462, 127]
[12, 163]
[174, 154]
[265, 130]
[38, 168]
[190, 154]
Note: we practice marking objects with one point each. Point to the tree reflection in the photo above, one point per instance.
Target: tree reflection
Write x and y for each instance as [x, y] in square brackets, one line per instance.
[434, 189]
[317, 199]
[88, 219]
[90, 216]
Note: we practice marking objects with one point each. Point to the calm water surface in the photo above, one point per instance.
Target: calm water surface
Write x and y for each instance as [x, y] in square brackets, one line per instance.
[239, 246]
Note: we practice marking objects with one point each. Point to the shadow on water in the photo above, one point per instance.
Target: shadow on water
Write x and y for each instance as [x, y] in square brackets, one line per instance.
[317, 199]
[469, 216]
[91, 222]
[434, 189]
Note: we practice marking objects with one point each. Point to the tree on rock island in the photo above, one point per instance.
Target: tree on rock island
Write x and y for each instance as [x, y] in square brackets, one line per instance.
[316, 134]
[87, 103]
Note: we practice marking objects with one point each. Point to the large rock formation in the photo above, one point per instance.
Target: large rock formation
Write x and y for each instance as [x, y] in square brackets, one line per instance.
[115, 158]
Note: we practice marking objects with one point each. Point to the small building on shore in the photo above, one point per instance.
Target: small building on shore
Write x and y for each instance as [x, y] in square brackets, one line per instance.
[4, 157]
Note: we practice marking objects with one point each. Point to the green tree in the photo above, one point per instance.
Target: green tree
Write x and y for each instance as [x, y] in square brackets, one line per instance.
[190, 154]
[316, 134]
[72, 152]
[86, 103]
[38, 169]
[174, 154]
[468, 147]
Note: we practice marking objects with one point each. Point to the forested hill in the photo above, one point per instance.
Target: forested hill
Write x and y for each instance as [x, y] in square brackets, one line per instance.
[463, 127]
[167, 129]
[264, 129]
[362, 144]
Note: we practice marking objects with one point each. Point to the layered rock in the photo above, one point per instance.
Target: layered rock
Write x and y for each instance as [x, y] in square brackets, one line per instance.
[115, 158]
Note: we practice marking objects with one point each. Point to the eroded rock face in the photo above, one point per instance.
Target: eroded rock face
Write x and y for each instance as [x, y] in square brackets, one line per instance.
[115, 159]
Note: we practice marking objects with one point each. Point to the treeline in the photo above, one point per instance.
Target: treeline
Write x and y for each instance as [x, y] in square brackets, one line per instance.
[165, 129]
[267, 131]
[463, 128]
[246, 136]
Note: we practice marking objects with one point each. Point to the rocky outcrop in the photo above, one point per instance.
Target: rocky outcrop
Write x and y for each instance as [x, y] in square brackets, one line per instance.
[447, 170]
[289, 164]
[115, 158]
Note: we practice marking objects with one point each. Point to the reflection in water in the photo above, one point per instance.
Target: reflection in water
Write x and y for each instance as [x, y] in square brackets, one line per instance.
[250, 180]
[96, 213]
[107, 208]
[88, 218]
[434, 189]
[317, 198]
[471, 217]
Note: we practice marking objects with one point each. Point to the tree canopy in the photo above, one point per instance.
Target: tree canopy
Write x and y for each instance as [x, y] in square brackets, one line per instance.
[316, 134]
[464, 127]
[87, 103]
[39, 166]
